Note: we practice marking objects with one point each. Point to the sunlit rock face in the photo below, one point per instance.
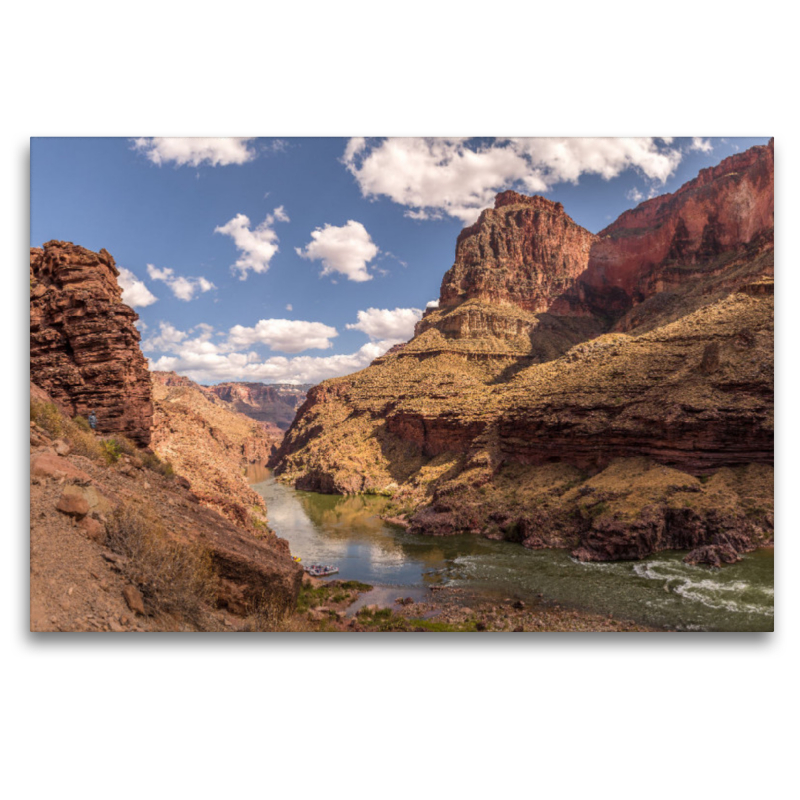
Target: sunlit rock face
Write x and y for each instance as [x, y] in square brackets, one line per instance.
[84, 347]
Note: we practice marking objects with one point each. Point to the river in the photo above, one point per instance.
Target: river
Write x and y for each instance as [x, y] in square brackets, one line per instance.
[660, 591]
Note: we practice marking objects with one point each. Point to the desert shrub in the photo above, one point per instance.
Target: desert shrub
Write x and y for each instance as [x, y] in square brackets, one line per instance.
[85, 443]
[155, 464]
[83, 424]
[175, 577]
[111, 450]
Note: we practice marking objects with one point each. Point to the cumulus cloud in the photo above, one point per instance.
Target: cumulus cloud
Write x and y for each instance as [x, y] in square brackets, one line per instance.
[285, 335]
[182, 287]
[134, 292]
[257, 246]
[635, 195]
[432, 304]
[196, 151]
[166, 340]
[211, 367]
[202, 360]
[346, 250]
[383, 323]
[701, 145]
[460, 177]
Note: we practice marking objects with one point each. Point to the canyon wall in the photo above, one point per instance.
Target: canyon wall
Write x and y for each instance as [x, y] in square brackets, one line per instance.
[557, 352]
[210, 446]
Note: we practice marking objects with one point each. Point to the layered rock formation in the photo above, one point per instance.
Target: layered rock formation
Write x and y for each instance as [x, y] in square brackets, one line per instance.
[84, 346]
[274, 404]
[557, 357]
[210, 445]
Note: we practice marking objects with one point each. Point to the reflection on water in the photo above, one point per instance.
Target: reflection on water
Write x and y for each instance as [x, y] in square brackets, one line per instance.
[661, 590]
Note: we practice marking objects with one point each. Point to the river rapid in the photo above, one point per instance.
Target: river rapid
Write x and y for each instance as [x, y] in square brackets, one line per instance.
[659, 591]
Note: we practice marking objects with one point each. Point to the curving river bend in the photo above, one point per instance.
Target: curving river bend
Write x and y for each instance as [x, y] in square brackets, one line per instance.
[660, 591]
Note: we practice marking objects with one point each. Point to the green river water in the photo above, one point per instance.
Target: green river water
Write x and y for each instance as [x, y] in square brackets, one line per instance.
[660, 591]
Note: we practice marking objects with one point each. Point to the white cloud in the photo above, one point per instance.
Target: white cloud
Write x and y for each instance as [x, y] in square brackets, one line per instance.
[285, 335]
[183, 288]
[289, 307]
[433, 177]
[383, 323]
[635, 195]
[257, 246]
[701, 145]
[166, 340]
[346, 249]
[216, 368]
[205, 362]
[134, 292]
[432, 304]
[196, 151]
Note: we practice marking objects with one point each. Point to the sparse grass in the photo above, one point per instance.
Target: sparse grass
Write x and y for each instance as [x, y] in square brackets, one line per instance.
[334, 592]
[270, 615]
[76, 431]
[174, 577]
[384, 619]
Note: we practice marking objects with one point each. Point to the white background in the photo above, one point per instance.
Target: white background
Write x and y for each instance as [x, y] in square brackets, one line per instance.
[552, 716]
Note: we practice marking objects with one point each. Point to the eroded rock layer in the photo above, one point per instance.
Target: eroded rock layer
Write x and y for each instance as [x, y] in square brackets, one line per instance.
[210, 445]
[84, 346]
[639, 361]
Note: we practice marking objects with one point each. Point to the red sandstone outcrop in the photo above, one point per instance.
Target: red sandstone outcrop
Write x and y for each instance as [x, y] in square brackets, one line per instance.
[84, 347]
[525, 252]
[678, 239]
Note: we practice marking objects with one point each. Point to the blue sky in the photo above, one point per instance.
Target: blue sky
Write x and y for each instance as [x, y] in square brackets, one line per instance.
[247, 259]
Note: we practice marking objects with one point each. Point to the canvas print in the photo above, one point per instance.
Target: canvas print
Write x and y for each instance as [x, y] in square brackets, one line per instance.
[423, 385]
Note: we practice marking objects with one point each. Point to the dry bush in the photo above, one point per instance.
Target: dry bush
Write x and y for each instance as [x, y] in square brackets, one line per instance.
[174, 577]
[271, 615]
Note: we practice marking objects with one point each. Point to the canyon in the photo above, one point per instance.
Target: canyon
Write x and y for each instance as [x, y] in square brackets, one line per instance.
[611, 394]
[607, 394]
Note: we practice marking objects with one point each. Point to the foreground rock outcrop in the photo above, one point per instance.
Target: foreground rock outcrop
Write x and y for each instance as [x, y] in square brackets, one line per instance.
[119, 543]
[84, 347]
[611, 394]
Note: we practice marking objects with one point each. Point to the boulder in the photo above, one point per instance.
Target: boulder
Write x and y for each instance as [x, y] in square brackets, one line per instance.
[134, 599]
[72, 503]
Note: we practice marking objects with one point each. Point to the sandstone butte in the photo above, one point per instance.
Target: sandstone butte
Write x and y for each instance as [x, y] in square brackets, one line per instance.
[84, 348]
[611, 394]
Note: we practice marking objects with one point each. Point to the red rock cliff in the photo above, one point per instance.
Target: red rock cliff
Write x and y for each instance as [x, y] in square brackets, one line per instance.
[725, 209]
[84, 345]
